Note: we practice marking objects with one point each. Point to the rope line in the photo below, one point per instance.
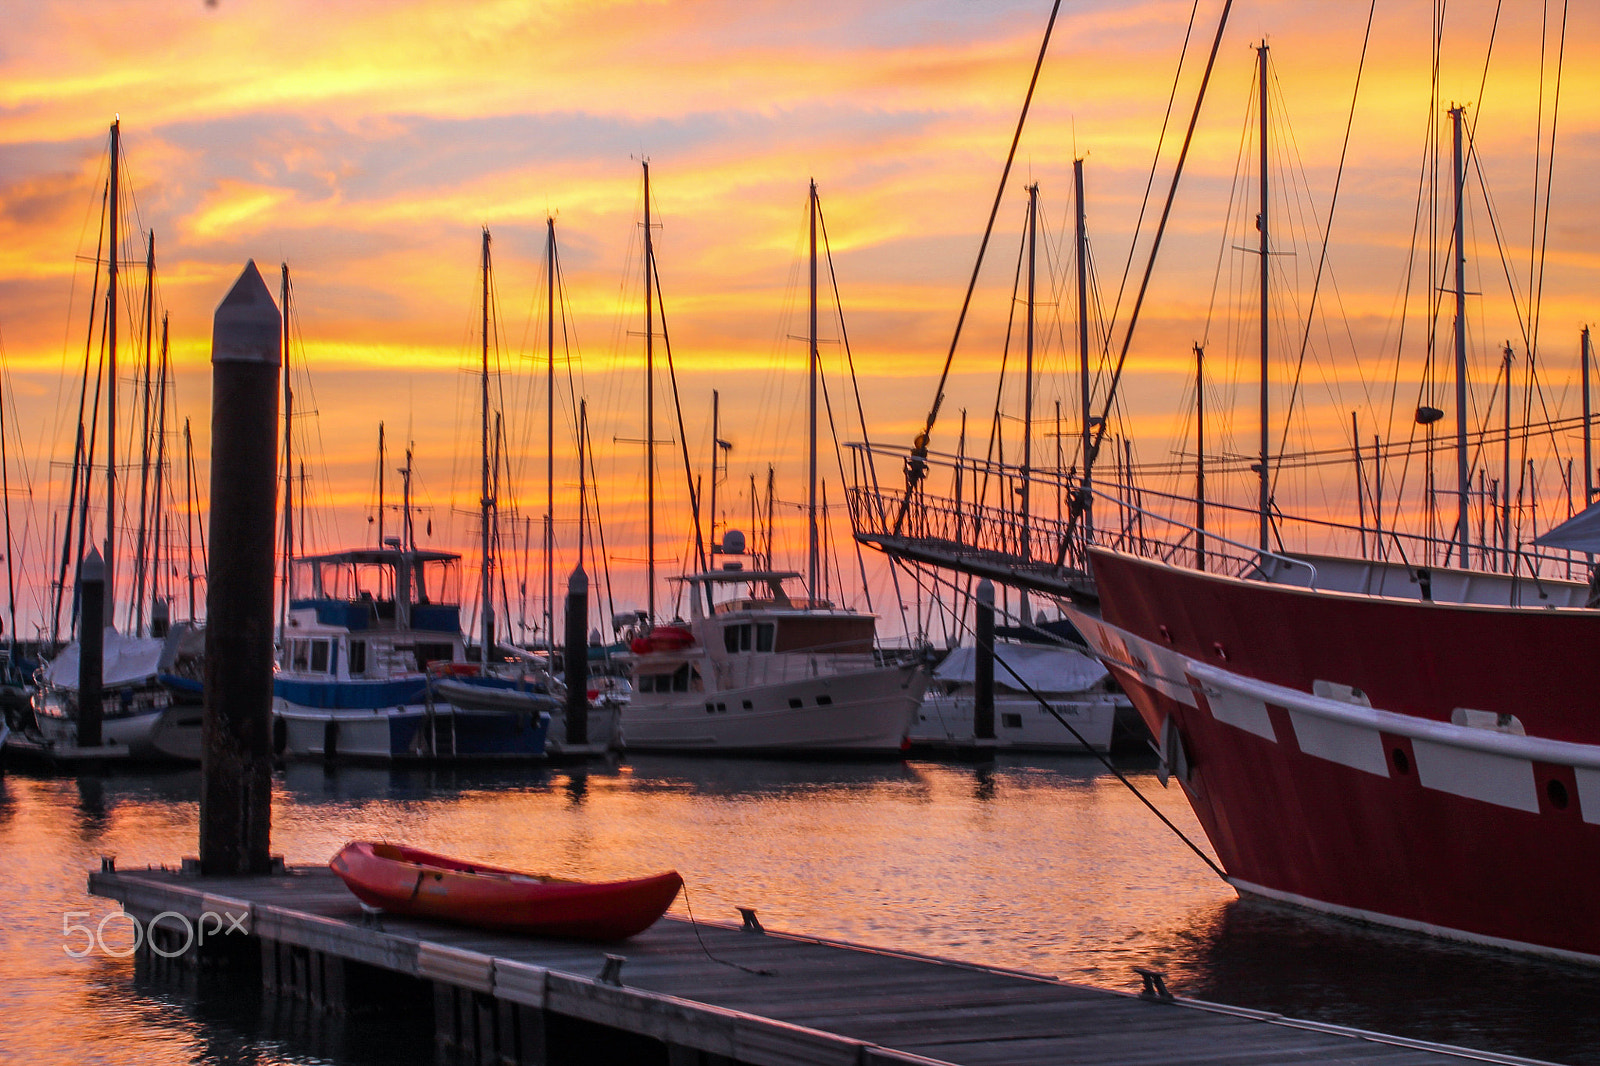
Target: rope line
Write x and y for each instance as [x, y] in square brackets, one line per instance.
[695, 925]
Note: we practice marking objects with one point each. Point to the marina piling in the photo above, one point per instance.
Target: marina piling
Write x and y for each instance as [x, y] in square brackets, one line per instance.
[577, 657]
[983, 668]
[236, 751]
[91, 648]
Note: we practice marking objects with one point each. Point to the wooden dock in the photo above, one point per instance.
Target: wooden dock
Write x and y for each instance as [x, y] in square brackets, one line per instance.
[710, 994]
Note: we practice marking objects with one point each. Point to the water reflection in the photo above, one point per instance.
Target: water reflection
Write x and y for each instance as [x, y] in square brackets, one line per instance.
[751, 778]
[1045, 864]
[1256, 953]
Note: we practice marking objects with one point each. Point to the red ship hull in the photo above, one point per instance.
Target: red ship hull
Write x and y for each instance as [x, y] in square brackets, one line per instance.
[1394, 812]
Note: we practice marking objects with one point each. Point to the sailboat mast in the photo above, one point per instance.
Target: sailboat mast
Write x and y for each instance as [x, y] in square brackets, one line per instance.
[288, 457]
[649, 406]
[5, 495]
[1083, 349]
[550, 432]
[1506, 468]
[1027, 392]
[1199, 457]
[486, 501]
[583, 484]
[716, 443]
[382, 461]
[158, 509]
[1462, 485]
[188, 511]
[771, 477]
[811, 413]
[144, 430]
[1266, 272]
[1588, 437]
[408, 533]
[113, 223]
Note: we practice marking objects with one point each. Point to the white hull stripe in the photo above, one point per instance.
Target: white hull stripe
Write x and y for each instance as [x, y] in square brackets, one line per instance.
[1245, 712]
[1589, 793]
[1479, 764]
[1375, 918]
[1497, 779]
[1348, 745]
[1160, 668]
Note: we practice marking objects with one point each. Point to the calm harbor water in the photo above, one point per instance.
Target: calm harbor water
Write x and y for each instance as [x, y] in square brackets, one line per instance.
[1043, 864]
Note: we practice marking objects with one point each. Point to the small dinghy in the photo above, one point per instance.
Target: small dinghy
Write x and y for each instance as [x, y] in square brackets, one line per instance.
[421, 884]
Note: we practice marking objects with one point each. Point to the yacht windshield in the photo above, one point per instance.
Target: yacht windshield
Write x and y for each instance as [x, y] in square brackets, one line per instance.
[757, 593]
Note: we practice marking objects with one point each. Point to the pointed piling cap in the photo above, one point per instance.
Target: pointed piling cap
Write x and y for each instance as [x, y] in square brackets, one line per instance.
[986, 591]
[246, 327]
[578, 582]
[93, 567]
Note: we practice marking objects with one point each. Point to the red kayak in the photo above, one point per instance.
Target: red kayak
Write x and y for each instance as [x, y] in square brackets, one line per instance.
[410, 881]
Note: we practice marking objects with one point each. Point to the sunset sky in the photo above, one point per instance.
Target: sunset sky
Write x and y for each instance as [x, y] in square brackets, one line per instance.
[367, 143]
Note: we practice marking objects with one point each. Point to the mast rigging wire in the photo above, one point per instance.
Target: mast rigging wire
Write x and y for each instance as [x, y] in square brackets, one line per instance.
[1079, 500]
[915, 469]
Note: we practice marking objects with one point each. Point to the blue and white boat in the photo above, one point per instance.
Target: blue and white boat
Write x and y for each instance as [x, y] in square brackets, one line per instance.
[352, 678]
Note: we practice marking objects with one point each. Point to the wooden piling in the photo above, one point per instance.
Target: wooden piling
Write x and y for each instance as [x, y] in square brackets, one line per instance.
[236, 754]
[983, 667]
[91, 648]
[577, 657]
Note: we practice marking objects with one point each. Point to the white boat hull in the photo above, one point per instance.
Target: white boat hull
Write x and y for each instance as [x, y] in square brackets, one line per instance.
[167, 734]
[409, 732]
[862, 713]
[1020, 723]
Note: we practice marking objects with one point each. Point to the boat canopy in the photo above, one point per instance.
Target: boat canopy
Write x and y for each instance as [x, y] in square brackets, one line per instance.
[1580, 533]
[127, 660]
[372, 574]
[1045, 669]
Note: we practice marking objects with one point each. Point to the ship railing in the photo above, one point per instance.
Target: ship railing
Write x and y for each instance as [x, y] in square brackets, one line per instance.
[951, 506]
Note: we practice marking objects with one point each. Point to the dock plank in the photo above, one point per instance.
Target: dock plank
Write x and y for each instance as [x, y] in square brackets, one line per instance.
[817, 1001]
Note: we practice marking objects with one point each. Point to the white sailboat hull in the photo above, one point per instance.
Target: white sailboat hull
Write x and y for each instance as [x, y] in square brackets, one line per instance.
[169, 733]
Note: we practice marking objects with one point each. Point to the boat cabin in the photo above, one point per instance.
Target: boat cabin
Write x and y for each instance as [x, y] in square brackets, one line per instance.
[764, 611]
[373, 612]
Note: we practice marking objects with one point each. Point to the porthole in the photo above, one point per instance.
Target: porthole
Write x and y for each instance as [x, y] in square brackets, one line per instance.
[1401, 763]
[1557, 791]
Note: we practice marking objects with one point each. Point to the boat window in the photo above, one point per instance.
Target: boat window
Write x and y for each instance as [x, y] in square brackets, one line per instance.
[764, 635]
[680, 679]
[319, 656]
[302, 654]
[736, 638]
[1011, 721]
[358, 657]
[430, 652]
